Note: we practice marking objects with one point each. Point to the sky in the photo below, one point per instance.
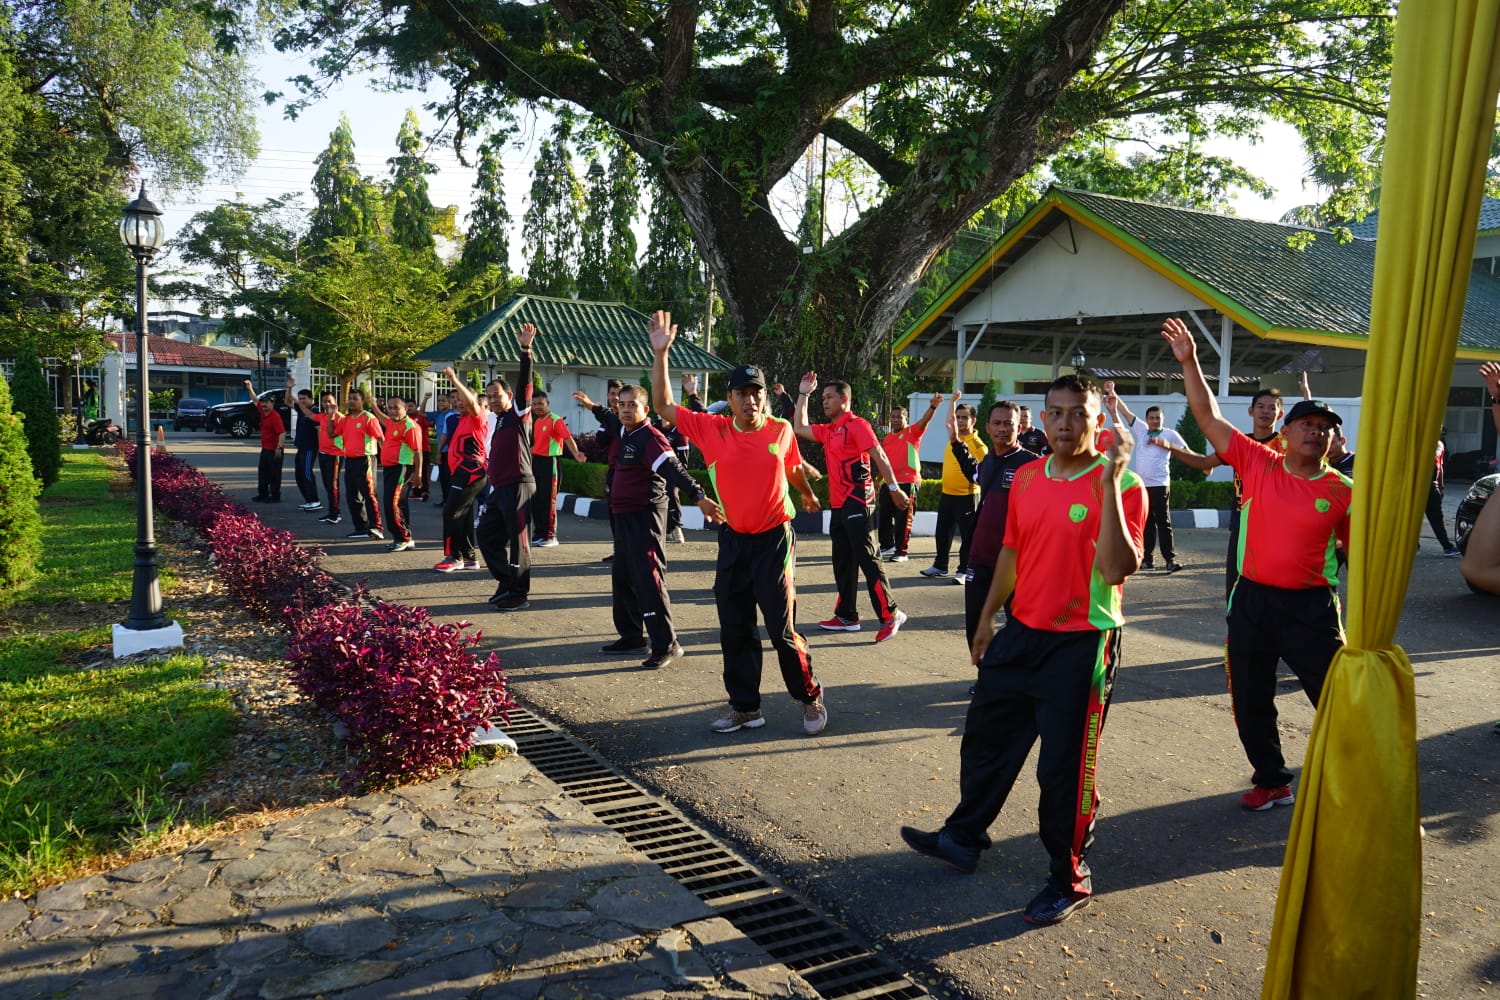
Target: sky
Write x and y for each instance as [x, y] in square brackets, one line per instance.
[289, 148]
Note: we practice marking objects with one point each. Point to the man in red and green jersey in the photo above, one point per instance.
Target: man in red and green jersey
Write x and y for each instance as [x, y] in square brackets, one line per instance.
[1072, 535]
[900, 446]
[549, 436]
[850, 448]
[401, 452]
[1294, 518]
[330, 421]
[362, 436]
[751, 458]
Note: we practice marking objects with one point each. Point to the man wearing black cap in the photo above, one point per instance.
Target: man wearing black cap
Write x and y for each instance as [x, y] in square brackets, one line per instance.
[1284, 606]
[752, 456]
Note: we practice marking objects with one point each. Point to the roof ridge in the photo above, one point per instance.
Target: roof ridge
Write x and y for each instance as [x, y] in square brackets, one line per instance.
[1185, 210]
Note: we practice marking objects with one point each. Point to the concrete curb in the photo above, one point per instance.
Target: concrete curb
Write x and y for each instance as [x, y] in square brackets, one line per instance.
[924, 525]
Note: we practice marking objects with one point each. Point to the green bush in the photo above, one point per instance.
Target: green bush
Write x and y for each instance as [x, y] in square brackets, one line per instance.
[32, 399]
[20, 515]
[1207, 495]
[1193, 435]
[586, 479]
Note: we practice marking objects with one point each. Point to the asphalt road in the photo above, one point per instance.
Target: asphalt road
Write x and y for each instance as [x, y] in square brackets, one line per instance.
[1185, 879]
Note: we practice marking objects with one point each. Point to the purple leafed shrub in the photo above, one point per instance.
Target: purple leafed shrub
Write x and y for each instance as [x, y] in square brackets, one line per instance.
[409, 690]
[180, 491]
[266, 570]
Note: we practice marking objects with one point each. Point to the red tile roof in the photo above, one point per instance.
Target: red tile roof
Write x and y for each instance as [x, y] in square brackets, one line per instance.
[176, 354]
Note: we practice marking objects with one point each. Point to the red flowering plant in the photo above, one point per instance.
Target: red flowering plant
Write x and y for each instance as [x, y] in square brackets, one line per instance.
[409, 691]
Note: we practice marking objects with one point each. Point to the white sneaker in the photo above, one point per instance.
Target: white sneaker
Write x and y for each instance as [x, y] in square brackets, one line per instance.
[814, 717]
[887, 553]
[493, 736]
[675, 535]
[896, 559]
[545, 543]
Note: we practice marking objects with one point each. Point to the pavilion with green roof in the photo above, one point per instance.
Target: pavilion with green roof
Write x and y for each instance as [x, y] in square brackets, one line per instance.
[579, 345]
[1092, 276]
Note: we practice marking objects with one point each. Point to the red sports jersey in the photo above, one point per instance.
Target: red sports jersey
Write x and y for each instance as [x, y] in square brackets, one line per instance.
[1053, 525]
[548, 434]
[362, 435]
[1275, 442]
[846, 443]
[468, 445]
[330, 432]
[901, 449]
[402, 442]
[271, 430]
[748, 468]
[1288, 524]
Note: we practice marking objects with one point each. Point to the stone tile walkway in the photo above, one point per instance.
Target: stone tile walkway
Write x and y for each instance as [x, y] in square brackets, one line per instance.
[486, 884]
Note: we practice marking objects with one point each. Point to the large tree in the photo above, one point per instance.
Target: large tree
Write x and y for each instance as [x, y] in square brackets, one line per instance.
[950, 103]
[550, 227]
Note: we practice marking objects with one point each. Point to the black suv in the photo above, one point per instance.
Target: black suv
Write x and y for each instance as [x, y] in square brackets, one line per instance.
[1473, 502]
[242, 417]
[191, 414]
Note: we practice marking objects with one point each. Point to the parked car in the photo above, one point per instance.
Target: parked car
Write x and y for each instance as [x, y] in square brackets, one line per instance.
[1470, 465]
[191, 414]
[242, 417]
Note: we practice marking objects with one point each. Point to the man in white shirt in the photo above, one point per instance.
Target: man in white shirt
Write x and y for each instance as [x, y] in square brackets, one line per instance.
[1153, 464]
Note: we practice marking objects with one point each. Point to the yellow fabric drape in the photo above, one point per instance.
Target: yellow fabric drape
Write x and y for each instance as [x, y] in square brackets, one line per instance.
[1348, 914]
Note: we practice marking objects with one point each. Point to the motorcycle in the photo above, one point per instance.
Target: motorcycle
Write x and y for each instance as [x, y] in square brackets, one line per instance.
[102, 431]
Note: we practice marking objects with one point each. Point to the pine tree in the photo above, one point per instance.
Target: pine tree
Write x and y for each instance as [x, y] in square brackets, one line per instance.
[20, 515]
[671, 275]
[619, 240]
[1193, 435]
[347, 204]
[550, 226]
[411, 208]
[38, 408]
[592, 283]
[487, 244]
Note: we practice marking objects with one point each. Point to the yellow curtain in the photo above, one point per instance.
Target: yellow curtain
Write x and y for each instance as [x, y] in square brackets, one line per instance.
[1348, 914]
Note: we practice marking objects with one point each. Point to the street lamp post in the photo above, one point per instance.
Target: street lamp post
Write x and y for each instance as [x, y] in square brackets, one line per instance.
[147, 627]
[78, 439]
[1078, 359]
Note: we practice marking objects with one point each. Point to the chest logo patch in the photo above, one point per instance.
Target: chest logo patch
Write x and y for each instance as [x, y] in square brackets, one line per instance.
[774, 448]
[1322, 505]
[1077, 513]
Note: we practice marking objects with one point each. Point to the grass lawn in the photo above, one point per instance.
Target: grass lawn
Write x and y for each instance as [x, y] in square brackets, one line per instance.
[90, 751]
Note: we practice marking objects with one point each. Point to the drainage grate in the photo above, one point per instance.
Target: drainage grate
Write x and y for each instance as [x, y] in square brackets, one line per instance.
[833, 961]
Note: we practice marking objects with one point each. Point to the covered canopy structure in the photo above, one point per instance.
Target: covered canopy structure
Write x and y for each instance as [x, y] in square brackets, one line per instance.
[1100, 273]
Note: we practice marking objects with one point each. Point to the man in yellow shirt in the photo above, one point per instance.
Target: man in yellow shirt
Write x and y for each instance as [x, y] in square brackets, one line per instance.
[955, 512]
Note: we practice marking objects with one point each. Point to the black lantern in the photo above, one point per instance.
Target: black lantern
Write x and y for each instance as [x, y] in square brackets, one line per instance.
[1079, 359]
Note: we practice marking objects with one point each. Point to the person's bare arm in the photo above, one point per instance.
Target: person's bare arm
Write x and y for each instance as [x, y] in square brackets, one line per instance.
[1216, 429]
[1304, 385]
[1480, 565]
[883, 467]
[798, 478]
[1118, 407]
[662, 332]
[375, 408]
[572, 446]
[932, 408]
[293, 401]
[1188, 457]
[805, 388]
[463, 390]
[1115, 555]
[1490, 372]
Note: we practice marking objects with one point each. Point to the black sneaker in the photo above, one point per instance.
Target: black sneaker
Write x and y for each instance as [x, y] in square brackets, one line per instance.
[658, 660]
[512, 602]
[359, 534]
[1147, 565]
[1053, 906]
[625, 646]
[1173, 567]
[499, 595]
[940, 846]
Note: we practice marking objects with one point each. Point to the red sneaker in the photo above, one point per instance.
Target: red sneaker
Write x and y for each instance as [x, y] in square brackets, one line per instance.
[837, 624]
[1261, 799]
[449, 564]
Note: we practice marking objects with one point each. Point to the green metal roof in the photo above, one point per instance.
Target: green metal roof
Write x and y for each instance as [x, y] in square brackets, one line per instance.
[570, 334]
[1319, 294]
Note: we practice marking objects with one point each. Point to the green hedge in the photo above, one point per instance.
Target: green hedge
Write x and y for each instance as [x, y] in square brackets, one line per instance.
[1207, 495]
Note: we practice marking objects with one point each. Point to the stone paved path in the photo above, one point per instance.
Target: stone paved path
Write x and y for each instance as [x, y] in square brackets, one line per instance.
[488, 884]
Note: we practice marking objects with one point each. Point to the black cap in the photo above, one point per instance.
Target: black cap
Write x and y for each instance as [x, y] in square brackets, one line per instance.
[746, 375]
[1312, 407]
